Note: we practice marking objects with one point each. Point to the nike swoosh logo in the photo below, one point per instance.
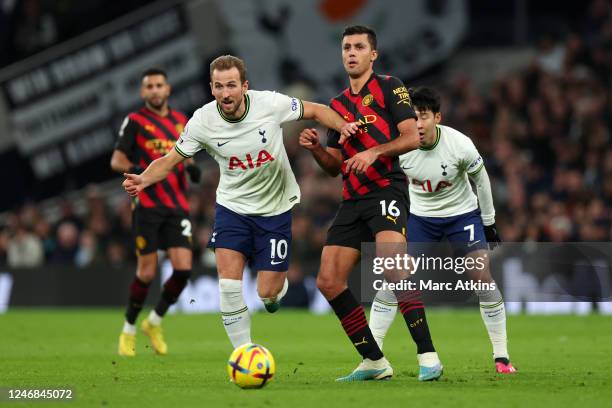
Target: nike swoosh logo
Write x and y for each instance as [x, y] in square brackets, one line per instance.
[276, 262]
[224, 143]
[472, 243]
[230, 323]
[407, 168]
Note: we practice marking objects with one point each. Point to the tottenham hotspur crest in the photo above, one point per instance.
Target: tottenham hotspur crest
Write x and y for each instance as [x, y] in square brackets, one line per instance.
[262, 133]
[444, 166]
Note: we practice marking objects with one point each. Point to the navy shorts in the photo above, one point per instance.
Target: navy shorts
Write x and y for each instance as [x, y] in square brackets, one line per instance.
[264, 241]
[465, 232]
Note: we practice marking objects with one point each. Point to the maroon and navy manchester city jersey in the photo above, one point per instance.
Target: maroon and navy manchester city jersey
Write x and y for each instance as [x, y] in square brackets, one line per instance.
[382, 103]
[146, 136]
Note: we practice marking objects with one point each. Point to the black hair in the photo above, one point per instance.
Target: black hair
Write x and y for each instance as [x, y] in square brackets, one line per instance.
[154, 71]
[359, 29]
[424, 98]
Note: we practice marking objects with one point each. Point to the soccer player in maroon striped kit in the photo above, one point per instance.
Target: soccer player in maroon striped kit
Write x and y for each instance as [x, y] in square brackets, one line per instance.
[160, 212]
[374, 200]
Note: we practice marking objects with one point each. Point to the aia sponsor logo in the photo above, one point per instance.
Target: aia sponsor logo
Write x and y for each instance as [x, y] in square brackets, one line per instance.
[426, 185]
[250, 162]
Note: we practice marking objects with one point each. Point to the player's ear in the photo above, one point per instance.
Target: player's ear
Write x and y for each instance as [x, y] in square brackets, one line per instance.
[438, 117]
[374, 56]
[245, 85]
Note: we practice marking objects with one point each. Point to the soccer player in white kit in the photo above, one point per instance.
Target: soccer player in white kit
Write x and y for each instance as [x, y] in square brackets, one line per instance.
[442, 203]
[241, 130]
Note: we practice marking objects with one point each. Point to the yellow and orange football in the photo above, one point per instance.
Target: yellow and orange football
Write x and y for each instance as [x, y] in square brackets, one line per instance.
[251, 366]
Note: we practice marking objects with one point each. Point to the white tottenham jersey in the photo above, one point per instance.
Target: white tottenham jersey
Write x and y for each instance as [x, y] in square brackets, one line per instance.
[438, 175]
[256, 178]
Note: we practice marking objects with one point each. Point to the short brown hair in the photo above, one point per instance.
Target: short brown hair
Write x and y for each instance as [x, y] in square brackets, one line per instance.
[225, 62]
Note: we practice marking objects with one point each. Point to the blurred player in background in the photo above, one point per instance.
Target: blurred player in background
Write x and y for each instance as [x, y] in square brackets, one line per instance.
[241, 130]
[160, 212]
[442, 203]
[374, 200]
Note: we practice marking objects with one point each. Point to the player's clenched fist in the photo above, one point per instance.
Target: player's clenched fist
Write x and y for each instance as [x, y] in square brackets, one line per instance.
[309, 139]
[133, 184]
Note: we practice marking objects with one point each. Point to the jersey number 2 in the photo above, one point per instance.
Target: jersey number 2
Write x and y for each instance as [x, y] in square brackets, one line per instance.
[186, 225]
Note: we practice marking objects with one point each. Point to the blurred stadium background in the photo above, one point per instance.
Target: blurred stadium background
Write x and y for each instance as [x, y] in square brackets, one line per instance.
[529, 81]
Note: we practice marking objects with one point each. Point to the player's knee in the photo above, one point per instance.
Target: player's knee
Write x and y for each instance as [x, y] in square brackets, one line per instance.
[146, 274]
[147, 267]
[181, 258]
[329, 286]
[269, 288]
[183, 265]
[268, 292]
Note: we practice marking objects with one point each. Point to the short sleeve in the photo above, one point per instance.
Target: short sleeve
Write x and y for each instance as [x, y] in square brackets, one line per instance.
[472, 159]
[398, 100]
[192, 139]
[127, 137]
[286, 108]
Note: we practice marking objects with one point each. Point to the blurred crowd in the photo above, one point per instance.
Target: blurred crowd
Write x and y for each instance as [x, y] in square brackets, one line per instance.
[544, 132]
[30, 26]
[102, 235]
[545, 135]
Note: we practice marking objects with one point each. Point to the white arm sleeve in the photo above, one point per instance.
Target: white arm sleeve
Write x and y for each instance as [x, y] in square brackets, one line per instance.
[485, 197]
[286, 108]
[193, 137]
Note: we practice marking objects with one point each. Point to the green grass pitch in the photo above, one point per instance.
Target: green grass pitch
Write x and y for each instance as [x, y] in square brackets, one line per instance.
[562, 361]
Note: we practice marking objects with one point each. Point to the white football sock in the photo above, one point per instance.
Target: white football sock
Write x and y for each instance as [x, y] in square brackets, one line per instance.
[154, 318]
[280, 295]
[429, 359]
[129, 328]
[382, 314]
[493, 315]
[234, 312]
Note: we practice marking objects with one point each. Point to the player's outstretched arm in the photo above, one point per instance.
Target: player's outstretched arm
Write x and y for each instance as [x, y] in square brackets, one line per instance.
[485, 200]
[330, 159]
[408, 140]
[122, 164]
[330, 119]
[157, 171]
